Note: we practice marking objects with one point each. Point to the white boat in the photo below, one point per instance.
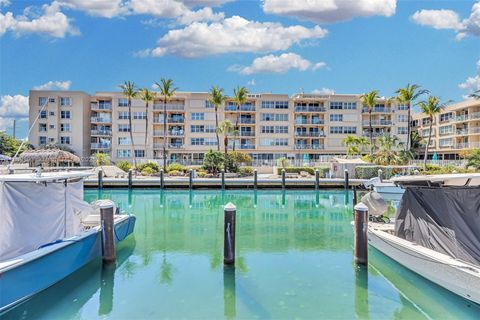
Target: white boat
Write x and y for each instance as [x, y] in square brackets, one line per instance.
[387, 189]
[47, 232]
[436, 232]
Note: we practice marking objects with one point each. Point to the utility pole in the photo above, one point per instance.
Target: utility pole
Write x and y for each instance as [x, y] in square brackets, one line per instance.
[14, 129]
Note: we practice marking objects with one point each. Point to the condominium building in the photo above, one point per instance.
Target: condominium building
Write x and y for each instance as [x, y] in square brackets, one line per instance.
[456, 128]
[270, 126]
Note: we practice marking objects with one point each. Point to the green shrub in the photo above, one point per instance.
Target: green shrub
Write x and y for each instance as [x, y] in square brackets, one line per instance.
[147, 171]
[149, 164]
[124, 165]
[245, 171]
[101, 159]
[322, 170]
[368, 172]
[213, 161]
[201, 174]
[282, 162]
[174, 173]
[230, 164]
[240, 158]
[176, 167]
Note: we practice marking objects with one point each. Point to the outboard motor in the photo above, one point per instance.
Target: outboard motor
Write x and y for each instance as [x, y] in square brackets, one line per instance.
[377, 207]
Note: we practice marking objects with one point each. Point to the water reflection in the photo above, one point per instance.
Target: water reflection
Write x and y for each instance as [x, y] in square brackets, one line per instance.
[361, 292]
[106, 289]
[229, 292]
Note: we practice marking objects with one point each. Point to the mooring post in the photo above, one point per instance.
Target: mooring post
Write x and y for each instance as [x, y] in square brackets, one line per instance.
[190, 179]
[230, 212]
[354, 195]
[222, 174]
[360, 228]
[380, 175]
[317, 179]
[346, 184]
[161, 179]
[283, 179]
[255, 178]
[106, 219]
[100, 179]
[129, 178]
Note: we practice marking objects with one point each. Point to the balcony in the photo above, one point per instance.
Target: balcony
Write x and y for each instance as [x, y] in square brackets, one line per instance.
[101, 106]
[100, 120]
[169, 106]
[247, 133]
[467, 145]
[474, 130]
[463, 117]
[247, 121]
[176, 146]
[309, 109]
[158, 146]
[101, 132]
[378, 110]
[100, 146]
[175, 133]
[377, 122]
[158, 120]
[312, 122]
[309, 134]
[243, 107]
[247, 146]
[302, 146]
[176, 120]
[374, 134]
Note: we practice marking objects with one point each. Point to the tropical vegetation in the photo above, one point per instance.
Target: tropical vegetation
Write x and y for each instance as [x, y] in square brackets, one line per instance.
[101, 159]
[130, 91]
[387, 151]
[9, 145]
[217, 99]
[167, 90]
[240, 95]
[473, 160]
[226, 129]
[147, 96]
[355, 144]
[370, 100]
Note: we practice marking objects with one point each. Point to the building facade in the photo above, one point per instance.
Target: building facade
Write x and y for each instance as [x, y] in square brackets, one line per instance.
[303, 126]
[456, 128]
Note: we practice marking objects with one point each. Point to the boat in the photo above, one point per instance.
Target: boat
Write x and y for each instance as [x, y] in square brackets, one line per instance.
[47, 232]
[436, 231]
[387, 189]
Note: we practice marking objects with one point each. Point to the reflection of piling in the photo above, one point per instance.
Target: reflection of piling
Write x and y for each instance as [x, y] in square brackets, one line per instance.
[107, 223]
[130, 179]
[130, 198]
[255, 198]
[317, 198]
[346, 183]
[162, 182]
[255, 179]
[284, 201]
[100, 179]
[283, 179]
[361, 292]
[190, 179]
[317, 179]
[360, 246]
[230, 212]
[229, 292]
[106, 290]
[222, 174]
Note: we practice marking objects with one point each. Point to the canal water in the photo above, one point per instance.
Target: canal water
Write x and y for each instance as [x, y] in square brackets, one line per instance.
[294, 261]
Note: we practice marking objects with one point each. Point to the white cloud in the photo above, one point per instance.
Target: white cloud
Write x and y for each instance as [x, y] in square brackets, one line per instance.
[54, 85]
[325, 91]
[330, 11]
[12, 108]
[278, 64]
[471, 84]
[159, 8]
[205, 14]
[4, 3]
[448, 19]
[51, 22]
[234, 34]
[100, 8]
[251, 82]
[205, 3]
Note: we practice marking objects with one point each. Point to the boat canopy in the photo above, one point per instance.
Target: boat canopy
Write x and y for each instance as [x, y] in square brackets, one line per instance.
[439, 180]
[39, 209]
[445, 219]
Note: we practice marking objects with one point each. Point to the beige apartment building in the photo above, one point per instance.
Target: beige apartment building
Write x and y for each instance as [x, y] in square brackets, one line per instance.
[302, 127]
[456, 128]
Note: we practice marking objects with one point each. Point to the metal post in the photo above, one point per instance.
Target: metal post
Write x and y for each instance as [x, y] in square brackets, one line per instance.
[161, 179]
[380, 175]
[130, 179]
[317, 179]
[100, 179]
[360, 246]
[283, 179]
[255, 179]
[230, 212]
[223, 178]
[346, 184]
[190, 179]
[108, 242]
[354, 195]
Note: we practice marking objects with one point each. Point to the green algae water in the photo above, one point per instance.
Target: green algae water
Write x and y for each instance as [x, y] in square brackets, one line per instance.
[294, 260]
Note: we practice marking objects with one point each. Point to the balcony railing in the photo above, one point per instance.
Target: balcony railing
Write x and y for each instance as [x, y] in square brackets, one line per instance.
[374, 134]
[176, 146]
[377, 122]
[247, 146]
[467, 145]
[378, 110]
[176, 133]
[309, 109]
[169, 106]
[247, 133]
[158, 120]
[101, 132]
[101, 120]
[309, 134]
[100, 146]
[176, 120]
[243, 107]
[302, 146]
[157, 145]
[306, 121]
[247, 121]
[101, 106]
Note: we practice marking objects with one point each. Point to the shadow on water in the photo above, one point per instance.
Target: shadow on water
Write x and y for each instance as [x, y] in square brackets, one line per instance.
[361, 292]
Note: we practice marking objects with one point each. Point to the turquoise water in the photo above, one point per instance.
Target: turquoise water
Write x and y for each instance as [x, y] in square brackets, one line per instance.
[294, 260]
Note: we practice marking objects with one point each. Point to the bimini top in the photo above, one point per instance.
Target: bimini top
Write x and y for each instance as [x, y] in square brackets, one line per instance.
[45, 176]
[439, 180]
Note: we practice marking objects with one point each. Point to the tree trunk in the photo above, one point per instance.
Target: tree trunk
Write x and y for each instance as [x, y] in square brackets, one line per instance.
[216, 126]
[165, 134]
[131, 134]
[236, 127]
[371, 130]
[225, 142]
[146, 124]
[409, 138]
[428, 144]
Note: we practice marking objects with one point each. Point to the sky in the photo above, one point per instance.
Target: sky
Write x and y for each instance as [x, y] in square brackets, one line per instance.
[278, 46]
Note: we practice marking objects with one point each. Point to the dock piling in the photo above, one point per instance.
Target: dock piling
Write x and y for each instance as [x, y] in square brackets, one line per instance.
[283, 179]
[380, 175]
[130, 179]
[346, 184]
[317, 179]
[100, 179]
[108, 242]
[222, 174]
[162, 183]
[190, 179]
[354, 196]
[230, 212]
[255, 179]
[360, 228]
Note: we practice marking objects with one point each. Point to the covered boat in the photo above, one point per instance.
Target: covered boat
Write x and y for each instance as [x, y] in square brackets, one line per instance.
[436, 231]
[47, 232]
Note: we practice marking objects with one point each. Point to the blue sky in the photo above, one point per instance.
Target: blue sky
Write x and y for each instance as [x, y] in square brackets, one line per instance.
[275, 46]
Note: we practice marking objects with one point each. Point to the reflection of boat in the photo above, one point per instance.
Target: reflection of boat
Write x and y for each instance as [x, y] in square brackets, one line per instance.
[50, 232]
[387, 189]
[436, 231]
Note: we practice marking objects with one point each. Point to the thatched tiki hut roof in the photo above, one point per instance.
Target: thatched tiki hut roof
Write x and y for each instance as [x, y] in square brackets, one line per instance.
[50, 156]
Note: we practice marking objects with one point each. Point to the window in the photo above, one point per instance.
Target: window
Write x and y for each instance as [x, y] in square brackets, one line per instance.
[124, 153]
[123, 102]
[197, 141]
[274, 142]
[42, 127]
[335, 105]
[274, 104]
[65, 101]
[402, 107]
[123, 128]
[51, 100]
[402, 130]
[446, 116]
[210, 141]
[42, 101]
[336, 130]
[43, 114]
[446, 130]
[52, 126]
[425, 121]
[281, 129]
[123, 115]
[268, 129]
[52, 113]
[336, 117]
[210, 129]
[123, 141]
[51, 140]
[341, 130]
[197, 128]
[64, 140]
[445, 142]
[139, 115]
[65, 114]
[349, 105]
[209, 105]
[402, 118]
[274, 117]
[140, 153]
[198, 116]
[65, 127]
[42, 140]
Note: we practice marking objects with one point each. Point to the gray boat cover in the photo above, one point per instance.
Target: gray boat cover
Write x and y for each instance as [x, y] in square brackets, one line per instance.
[446, 220]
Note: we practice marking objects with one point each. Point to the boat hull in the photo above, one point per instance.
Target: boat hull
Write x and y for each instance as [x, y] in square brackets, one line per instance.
[458, 277]
[53, 263]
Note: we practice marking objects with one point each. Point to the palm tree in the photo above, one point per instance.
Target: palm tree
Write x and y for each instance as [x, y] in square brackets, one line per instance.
[355, 144]
[407, 96]
[473, 160]
[475, 95]
[370, 99]
[239, 97]
[130, 91]
[387, 153]
[147, 96]
[226, 128]
[217, 99]
[430, 108]
[167, 90]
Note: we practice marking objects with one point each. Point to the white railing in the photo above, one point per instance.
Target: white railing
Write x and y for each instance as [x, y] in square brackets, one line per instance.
[457, 163]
